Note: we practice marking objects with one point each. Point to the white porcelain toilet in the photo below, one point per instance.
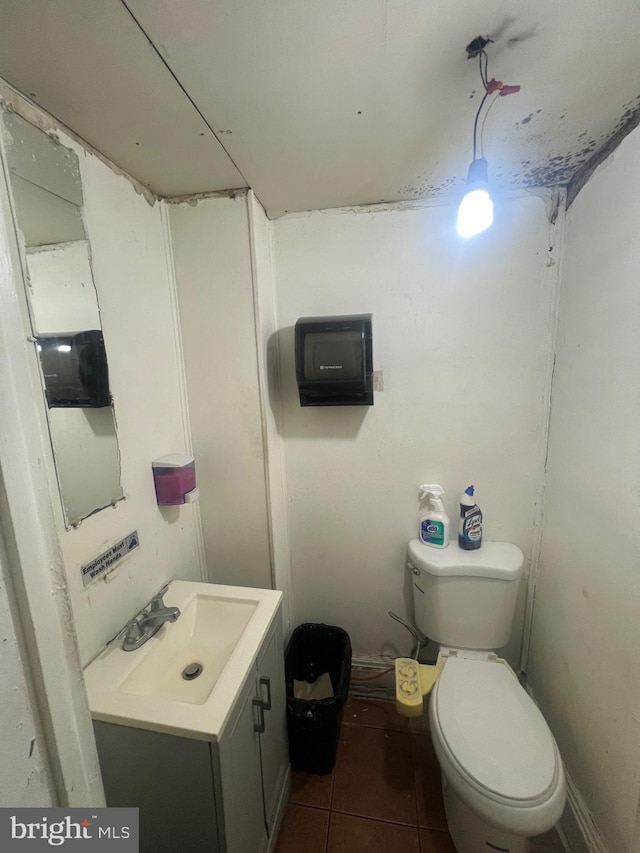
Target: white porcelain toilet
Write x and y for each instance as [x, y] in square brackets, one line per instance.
[502, 774]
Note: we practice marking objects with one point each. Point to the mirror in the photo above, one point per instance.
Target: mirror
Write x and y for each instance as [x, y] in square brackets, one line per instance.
[65, 317]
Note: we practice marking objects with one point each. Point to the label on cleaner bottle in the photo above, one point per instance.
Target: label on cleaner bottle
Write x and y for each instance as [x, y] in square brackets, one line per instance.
[470, 527]
[432, 531]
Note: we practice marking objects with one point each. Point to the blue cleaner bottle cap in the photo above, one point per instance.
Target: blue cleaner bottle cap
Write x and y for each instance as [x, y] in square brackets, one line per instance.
[469, 491]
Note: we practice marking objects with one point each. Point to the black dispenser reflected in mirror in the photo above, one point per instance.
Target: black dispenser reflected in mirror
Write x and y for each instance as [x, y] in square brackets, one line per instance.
[334, 360]
[74, 367]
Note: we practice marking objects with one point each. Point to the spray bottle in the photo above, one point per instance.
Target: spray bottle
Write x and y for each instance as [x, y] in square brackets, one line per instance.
[470, 523]
[434, 524]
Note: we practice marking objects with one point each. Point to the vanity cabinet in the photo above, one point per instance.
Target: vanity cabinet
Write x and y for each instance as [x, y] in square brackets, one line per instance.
[197, 794]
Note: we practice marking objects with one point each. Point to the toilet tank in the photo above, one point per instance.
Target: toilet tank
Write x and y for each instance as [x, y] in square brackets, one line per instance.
[465, 599]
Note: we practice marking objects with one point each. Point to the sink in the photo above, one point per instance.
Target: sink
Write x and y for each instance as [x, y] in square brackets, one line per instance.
[205, 634]
[186, 677]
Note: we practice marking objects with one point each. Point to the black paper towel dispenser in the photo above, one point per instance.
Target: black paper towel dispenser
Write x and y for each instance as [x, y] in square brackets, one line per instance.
[74, 367]
[334, 360]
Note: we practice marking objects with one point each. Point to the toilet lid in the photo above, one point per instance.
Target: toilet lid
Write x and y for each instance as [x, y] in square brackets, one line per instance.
[493, 731]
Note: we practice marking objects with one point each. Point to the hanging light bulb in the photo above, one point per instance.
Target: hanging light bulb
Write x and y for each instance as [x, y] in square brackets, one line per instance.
[475, 213]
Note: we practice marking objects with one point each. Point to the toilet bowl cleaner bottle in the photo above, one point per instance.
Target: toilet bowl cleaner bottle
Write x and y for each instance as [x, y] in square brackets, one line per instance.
[434, 524]
[470, 523]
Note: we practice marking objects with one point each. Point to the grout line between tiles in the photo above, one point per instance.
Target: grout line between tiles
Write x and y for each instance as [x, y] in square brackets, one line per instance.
[378, 728]
[333, 782]
[415, 787]
[376, 819]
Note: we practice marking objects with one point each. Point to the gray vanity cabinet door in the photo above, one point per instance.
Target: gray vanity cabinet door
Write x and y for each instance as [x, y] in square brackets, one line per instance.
[169, 779]
[242, 778]
[273, 742]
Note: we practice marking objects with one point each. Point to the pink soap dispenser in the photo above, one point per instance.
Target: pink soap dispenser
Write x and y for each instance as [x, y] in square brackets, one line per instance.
[174, 476]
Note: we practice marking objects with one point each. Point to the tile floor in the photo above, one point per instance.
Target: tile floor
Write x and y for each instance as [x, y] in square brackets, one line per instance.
[383, 795]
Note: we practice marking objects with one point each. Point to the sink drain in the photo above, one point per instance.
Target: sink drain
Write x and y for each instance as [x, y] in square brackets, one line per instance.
[192, 671]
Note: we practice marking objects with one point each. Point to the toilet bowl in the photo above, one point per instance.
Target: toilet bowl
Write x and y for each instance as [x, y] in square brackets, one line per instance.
[502, 772]
[502, 775]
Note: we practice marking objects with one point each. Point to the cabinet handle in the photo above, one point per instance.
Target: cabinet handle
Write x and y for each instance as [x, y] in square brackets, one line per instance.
[259, 726]
[267, 683]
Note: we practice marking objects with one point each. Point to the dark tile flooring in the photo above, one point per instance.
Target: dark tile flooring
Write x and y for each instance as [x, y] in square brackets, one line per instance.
[383, 795]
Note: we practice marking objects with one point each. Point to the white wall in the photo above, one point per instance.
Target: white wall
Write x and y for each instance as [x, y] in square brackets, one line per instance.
[585, 650]
[132, 271]
[268, 365]
[25, 779]
[34, 555]
[213, 262]
[462, 333]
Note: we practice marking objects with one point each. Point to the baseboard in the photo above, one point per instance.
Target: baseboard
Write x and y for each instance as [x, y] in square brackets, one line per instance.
[373, 677]
[577, 827]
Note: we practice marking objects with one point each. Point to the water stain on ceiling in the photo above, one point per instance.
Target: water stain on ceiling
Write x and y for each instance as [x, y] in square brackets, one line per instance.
[319, 105]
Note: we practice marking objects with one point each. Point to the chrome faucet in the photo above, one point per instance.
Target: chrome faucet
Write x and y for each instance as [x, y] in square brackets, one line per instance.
[148, 623]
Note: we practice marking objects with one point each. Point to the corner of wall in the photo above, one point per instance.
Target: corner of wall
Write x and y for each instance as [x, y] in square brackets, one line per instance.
[177, 331]
[557, 218]
[268, 366]
[577, 824]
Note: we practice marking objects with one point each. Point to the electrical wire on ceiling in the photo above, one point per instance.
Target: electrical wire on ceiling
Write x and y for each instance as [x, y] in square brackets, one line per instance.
[475, 213]
[491, 87]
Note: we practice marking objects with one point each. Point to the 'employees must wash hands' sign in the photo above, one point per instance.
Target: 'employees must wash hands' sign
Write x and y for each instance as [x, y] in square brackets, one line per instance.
[90, 571]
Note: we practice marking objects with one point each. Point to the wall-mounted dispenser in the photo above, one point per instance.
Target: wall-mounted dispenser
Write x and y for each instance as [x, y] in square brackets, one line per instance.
[334, 360]
[174, 476]
[75, 369]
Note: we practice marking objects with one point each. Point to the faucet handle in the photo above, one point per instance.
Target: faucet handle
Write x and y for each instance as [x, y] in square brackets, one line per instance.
[156, 602]
[131, 633]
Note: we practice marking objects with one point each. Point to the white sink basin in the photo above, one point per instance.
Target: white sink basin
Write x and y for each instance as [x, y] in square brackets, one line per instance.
[220, 628]
[205, 635]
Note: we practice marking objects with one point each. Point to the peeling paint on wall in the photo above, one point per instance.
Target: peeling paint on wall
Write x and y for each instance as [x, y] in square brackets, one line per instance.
[192, 199]
[35, 115]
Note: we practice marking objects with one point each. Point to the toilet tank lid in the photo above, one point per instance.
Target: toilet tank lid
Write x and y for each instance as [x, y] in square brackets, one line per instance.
[500, 560]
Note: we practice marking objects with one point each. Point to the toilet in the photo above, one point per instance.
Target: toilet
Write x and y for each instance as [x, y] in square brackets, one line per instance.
[502, 775]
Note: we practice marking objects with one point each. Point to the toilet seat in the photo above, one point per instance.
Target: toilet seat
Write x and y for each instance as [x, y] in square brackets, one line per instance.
[494, 745]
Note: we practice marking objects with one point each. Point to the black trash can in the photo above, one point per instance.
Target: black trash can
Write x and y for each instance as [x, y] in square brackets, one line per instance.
[314, 724]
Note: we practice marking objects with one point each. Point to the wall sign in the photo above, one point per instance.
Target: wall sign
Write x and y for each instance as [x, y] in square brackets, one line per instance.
[90, 571]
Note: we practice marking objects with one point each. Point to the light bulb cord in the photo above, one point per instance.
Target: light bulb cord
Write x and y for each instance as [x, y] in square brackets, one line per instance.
[491, 87]
[484, 121]
[483, 66]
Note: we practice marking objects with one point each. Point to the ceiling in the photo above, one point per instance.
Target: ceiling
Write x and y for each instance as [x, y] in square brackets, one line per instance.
[327, 103]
